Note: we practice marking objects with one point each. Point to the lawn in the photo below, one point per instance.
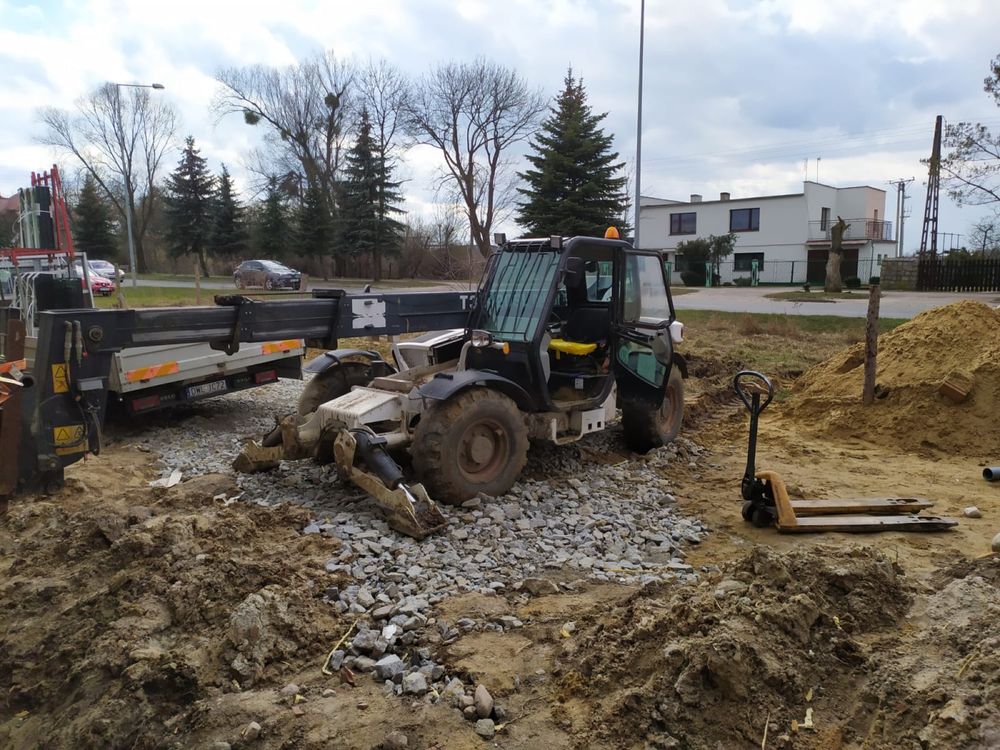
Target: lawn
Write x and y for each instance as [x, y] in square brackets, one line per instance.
[313, 280]
[171, 296]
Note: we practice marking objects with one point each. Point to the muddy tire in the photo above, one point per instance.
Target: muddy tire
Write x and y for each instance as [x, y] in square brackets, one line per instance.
[645, 428]
[331, 384]
[474, 442]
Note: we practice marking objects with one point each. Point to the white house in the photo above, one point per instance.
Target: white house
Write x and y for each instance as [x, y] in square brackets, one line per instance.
[788, 235]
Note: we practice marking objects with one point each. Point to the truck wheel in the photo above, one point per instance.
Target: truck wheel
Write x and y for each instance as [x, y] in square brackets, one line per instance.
[333, 383]
[474, 442]
[645, 428]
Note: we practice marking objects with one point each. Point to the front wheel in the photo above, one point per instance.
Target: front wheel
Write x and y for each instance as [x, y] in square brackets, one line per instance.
[268, 284]
[647, 428]
[476, 441]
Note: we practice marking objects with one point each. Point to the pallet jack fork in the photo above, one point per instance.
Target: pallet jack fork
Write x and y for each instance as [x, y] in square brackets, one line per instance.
[766, 501]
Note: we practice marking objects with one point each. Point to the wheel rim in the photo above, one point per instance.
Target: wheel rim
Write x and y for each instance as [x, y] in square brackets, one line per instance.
[670, 415]
[483, 451]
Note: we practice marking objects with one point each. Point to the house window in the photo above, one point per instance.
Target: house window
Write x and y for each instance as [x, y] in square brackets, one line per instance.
[824, 219]
[683, 223]
[744, 220]
[744, 261]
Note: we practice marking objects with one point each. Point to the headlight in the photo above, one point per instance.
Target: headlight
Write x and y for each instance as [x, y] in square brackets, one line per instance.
[480, 339]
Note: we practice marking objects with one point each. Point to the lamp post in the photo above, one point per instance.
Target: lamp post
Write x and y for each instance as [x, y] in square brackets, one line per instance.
[638, 129]
[128, 198]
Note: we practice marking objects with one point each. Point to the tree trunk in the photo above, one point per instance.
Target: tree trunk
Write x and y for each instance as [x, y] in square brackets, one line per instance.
[203, 262]
[833, 283]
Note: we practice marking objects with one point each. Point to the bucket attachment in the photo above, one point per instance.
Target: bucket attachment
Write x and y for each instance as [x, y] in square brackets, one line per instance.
[407, 508]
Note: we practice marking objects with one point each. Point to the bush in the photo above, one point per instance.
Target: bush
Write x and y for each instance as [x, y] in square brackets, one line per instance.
[852, 282]
[693, 278]
[742, 281]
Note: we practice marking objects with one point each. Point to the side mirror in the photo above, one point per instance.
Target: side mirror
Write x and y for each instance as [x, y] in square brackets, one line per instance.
[573, 276]
[661, 348]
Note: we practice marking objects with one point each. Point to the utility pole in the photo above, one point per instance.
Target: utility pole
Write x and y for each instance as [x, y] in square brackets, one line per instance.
[930, 229]
[900, 212]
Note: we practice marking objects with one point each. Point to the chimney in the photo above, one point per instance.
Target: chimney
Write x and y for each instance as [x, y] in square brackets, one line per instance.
[723, 196]
[695, 198]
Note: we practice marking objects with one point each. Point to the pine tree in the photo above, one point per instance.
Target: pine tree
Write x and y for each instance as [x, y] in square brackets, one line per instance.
[228, 237]
[576, 186]
[314, 225]
[271, 230]
[189, 205]
[371, 198]
[92, 228]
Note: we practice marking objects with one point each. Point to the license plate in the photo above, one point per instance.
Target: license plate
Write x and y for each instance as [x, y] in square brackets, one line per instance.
[216, 386]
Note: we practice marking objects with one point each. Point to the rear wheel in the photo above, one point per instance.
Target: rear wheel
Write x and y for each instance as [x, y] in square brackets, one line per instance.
[474, 442]
[647, 428]
[268, 284]
[239, 283]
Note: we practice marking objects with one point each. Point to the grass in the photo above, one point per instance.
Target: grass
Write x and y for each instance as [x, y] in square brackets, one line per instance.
[775, 344]
[313, 280]
[859, 294]
[170, 296]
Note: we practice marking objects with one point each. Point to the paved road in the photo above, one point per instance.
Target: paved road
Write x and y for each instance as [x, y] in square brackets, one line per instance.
[752, 300]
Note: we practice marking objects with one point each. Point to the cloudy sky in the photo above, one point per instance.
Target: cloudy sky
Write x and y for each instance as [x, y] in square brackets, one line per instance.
[738, 93]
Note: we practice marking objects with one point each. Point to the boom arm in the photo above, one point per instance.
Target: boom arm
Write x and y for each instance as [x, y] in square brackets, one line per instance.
[65, 398]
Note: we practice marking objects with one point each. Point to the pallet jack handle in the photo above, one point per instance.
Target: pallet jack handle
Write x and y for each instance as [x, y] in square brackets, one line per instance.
[749, 384]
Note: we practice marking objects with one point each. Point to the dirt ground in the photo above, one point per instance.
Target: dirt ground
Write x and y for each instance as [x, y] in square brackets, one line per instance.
[136, 617]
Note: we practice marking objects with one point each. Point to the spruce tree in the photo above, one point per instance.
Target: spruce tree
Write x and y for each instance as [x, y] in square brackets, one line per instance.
[371, 198]
[271, 228]
[576, 185]
[228, 238]
[314, 225]
[92, 228]
[189, 196]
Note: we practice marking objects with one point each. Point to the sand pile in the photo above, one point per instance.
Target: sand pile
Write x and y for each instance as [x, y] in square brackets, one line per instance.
[913, 360]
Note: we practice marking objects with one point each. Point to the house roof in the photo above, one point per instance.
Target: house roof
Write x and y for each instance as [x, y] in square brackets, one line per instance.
[13, 203]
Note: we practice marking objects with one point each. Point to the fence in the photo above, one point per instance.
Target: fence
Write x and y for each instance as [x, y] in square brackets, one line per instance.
[959, 275]
[778, 272]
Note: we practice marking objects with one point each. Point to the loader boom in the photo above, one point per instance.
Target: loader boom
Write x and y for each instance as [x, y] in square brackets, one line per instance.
[64, 395]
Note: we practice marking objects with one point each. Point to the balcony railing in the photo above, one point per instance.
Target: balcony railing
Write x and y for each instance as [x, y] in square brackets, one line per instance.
[858, 230]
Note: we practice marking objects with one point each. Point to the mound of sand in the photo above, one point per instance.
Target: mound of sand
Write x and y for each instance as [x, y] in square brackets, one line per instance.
[913, 360]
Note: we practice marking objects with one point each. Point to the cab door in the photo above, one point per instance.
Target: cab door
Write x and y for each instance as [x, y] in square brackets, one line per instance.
[642, 313]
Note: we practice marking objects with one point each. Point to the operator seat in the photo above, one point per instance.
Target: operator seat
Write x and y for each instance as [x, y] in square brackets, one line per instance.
[587, 326]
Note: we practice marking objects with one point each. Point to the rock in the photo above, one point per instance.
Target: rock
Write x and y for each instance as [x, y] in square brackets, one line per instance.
[995, 544]
[336, 660]
[251, 731]
[290, 689]
[485, 728]
[363, 664]
[395, 741]
[729, 586]
[466, 701]
[469, 712]
[383, 613]
[220, 745]
[454, 690]
[483, 701]
[414, 683]
[364, 641]
[365, 598]
[539, 586]
[329, 692]
[388, 667]
[972, 512]
[500, 713]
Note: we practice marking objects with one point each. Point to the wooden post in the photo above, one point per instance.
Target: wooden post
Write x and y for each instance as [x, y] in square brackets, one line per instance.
[197, 283]
[871, 344]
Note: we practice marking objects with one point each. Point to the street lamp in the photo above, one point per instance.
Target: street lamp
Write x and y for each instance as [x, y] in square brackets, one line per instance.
[638, 130]
[128, 208]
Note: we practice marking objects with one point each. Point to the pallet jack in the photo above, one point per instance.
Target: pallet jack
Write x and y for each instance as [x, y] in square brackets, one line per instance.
[766, 501]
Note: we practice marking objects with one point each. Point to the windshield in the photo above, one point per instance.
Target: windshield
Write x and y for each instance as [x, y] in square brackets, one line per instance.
[270, 265]
[517, 293]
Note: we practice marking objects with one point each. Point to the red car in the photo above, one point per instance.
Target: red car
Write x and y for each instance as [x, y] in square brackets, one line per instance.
[99, 285]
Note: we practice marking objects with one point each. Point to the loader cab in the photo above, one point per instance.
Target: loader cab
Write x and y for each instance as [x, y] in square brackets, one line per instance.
[565, 320]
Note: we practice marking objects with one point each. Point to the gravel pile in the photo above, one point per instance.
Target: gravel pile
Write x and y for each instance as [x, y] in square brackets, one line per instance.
[570, 512]
[572, 517]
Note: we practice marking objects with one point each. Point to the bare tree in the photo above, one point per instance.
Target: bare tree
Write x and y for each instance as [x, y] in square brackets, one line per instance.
[383, 91]
[971, 170]
[984, 238]
[474, 113]
[120, 139]
[306, 109]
